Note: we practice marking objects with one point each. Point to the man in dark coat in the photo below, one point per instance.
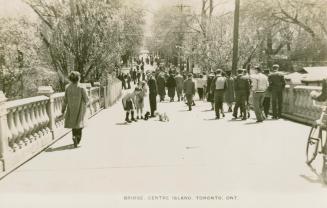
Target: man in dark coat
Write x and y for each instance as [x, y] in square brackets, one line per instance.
[161, 84]
[189, 90]
[229, 93]
[242, 89]
[152, 93]
[276, 85]
[171, 85]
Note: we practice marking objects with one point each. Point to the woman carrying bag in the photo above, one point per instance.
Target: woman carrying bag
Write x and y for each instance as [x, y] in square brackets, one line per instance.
[75, 106]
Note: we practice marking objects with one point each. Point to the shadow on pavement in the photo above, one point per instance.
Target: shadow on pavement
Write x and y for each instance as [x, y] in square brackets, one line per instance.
[122, 124]
[62, 148]
[313, 180]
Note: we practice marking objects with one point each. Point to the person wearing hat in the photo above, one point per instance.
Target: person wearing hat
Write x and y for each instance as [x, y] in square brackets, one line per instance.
[242, 88]
[276, 84]
[153, 91]
[189, 90]
[259, 86]
[218, 87]
[208, 90]
[179, 86]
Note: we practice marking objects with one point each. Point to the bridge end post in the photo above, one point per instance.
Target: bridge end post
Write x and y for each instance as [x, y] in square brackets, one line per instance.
[4, 144]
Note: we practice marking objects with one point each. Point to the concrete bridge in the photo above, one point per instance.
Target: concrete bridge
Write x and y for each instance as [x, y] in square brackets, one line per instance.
[211, 163]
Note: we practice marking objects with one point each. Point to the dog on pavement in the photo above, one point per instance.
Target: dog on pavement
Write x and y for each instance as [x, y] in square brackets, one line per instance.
[162, 116]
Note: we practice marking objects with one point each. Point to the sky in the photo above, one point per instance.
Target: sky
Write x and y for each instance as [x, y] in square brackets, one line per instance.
[16, 8]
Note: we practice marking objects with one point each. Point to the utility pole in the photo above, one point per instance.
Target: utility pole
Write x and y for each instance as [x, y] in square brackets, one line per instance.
[235, 36]
[181, 7]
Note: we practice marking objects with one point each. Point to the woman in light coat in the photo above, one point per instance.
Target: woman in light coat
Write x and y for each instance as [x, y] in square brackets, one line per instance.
[75, 105]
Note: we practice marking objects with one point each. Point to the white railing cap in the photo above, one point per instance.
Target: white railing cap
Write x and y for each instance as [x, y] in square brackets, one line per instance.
[25, 101]
[58, 94]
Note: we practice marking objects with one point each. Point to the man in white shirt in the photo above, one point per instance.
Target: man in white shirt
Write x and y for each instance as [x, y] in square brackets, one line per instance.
[259, 86]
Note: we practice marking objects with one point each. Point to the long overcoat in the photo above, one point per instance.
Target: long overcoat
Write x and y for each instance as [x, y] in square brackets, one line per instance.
[75, 105]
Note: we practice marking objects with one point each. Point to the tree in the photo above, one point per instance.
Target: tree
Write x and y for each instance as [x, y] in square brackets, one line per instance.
[88, 36]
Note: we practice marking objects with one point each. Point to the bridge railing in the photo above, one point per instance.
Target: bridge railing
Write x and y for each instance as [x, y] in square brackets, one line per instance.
[28, 126]
[297, 104]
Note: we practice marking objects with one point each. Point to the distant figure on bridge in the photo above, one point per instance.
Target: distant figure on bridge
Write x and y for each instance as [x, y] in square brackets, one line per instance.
[153, 91]
[179, 86]
[171, 85]
[75, 106]
[276, 84]
[129, 105]
[189, 90]
[161, 83]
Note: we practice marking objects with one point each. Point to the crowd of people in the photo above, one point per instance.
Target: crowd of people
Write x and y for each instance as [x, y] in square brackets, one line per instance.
[218, 87]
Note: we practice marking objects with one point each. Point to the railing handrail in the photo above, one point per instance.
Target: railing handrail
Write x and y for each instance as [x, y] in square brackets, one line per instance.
[25, 101]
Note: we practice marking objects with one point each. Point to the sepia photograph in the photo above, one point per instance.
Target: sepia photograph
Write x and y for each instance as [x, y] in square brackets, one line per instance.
[163, 103]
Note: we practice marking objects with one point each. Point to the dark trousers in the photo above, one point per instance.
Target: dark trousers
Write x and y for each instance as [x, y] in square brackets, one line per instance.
[200, 92]
[240, 103]
[277, 102]
[190, 101]
[219, 99]
[78, 134]
[266, 105]
[153, 103]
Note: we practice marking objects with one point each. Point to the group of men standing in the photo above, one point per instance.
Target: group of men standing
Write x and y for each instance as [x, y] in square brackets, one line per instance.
[263, 86]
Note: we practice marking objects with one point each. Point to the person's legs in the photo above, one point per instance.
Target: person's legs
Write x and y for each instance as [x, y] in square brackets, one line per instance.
[153, 104]
[74, 133]
[266, 105]
[243, 107]
[280, 103]
[79, 135]
[138, 113]
[216, 99]
[261, 109]
[274, 103]
[221, 103]
[127, 117]
[141, 110]
[132, 116]
[189, 102]
[236, 106]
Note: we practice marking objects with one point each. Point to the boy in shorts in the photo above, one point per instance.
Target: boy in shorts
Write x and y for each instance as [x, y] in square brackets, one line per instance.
[129, 105]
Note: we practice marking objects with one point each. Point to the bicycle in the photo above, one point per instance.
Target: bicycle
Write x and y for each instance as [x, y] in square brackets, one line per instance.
[316, 144]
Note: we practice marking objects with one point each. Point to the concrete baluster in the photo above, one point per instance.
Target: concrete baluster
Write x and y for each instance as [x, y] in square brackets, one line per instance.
[23, 140]
[48, 109]
[29, 123]
[12, 132]
[4, 145]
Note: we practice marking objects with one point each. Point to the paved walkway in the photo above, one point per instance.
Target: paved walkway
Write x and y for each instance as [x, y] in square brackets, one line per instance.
[259, 165]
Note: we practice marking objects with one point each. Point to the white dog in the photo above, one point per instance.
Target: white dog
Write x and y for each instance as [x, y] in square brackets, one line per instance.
[162, 116]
